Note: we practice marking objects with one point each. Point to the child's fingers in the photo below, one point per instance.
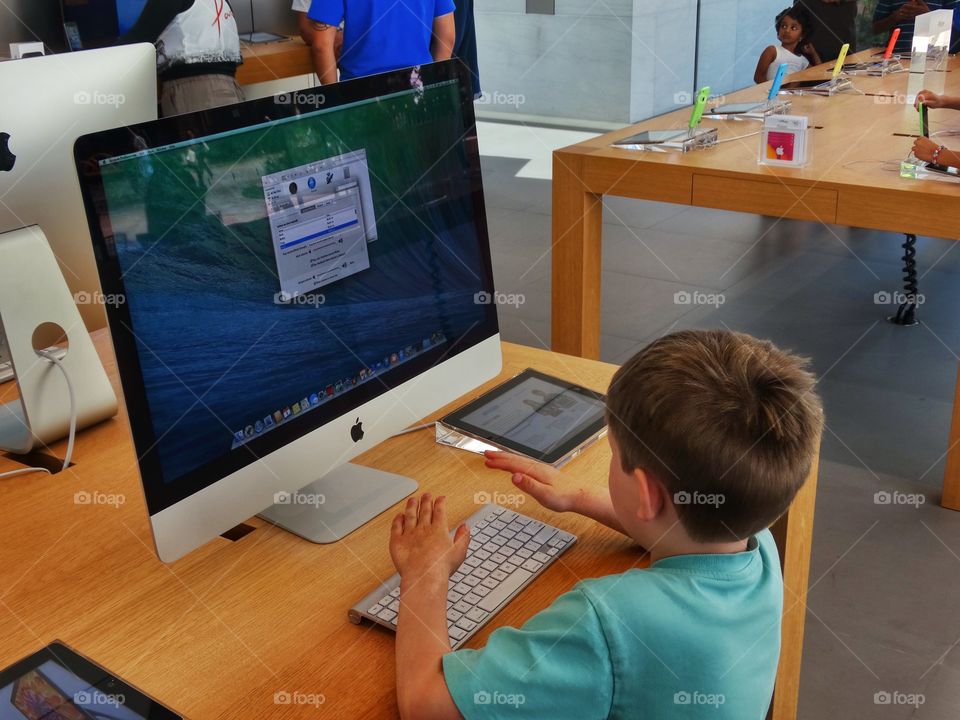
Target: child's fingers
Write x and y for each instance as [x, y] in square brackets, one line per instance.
[516, 464]
[426, 509]
[531, 486]
[440, 512]
[410, 514]
[396, 528]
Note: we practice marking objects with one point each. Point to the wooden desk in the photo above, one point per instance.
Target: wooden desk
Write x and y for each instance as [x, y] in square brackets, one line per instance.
[263, 62]
[222, 631]
[829, 190]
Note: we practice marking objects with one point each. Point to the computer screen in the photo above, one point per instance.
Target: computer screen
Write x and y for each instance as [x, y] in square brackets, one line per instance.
[299, 256]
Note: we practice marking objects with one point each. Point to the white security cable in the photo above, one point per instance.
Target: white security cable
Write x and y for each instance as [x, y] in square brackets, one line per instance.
[50, 357]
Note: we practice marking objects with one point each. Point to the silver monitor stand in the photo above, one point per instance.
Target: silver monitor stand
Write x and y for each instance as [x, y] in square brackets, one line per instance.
[334, 506]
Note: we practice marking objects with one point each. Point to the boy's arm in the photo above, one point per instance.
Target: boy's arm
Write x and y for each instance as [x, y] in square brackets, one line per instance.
[425, 557]
[305, 26]
[444, 37]
[554, 490]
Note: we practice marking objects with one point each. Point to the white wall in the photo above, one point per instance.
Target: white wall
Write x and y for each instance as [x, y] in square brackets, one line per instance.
[617, 60]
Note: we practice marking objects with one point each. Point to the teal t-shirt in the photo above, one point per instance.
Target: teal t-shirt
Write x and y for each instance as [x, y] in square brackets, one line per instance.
[693, 636]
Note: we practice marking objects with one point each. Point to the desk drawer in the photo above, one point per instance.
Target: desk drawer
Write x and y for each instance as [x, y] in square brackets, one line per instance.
[765, 197]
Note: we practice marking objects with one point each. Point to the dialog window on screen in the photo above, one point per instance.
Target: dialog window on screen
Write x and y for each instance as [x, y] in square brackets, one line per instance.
[321, 219]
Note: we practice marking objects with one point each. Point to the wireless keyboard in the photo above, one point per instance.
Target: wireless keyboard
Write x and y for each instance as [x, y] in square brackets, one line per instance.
[507, 551]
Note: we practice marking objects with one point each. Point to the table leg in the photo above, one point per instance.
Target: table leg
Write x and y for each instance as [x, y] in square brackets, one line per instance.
[794, 535]
[951, 476]
[577, 227]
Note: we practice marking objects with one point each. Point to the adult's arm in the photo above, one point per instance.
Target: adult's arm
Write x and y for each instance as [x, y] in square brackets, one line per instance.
[444, 37]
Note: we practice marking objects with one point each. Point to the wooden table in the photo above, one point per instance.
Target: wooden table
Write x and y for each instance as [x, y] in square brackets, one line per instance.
[831, 189]
[223, 631]
[263, 62]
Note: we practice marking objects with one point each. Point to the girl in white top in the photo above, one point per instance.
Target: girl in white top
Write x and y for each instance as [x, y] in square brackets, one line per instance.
[793, 26]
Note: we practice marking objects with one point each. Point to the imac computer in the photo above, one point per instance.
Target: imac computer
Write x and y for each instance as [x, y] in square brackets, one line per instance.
[47, 102]
[303, 276]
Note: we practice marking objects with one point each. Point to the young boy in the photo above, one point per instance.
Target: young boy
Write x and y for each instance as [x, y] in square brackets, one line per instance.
[712, 434]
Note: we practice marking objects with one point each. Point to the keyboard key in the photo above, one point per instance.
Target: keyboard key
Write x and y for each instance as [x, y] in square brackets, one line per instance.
[552, 551]
[462, 588]
[499, 558]
[471, 598]
[457, 577]
[524, 537]
[480, 525]
[498, 540]
[454, 615]
[532, 565]
[386, 614]
[508, 568]
[504, 590]
[498, 524]
[453, 596]
[521, 519]
[465, 624]
[540, 557]
[457, 633]
[524, 553]
[473, 561]
[489, 565]
[481, 590]
[374, 609]
[515, 527]
[482, 554]
[490, 547]
[473, 546]
[491, 516]
[507, 533]
[533, 527]
[488, 582]
[498, 575]
[514, 544]
[395, 593]
[462, 607]
[480, 573]
[471, 580]
[508, 516]
[477, 615]
[544, 535]
[395, 606]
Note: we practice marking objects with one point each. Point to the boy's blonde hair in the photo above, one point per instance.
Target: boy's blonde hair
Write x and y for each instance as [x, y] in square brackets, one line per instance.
[728, 423]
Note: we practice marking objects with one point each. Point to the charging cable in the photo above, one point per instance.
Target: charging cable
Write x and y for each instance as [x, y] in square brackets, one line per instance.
[51, 357]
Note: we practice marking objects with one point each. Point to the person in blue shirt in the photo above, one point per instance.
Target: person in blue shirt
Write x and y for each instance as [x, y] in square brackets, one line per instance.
[890, 14]
[712, 434]
[380, 35]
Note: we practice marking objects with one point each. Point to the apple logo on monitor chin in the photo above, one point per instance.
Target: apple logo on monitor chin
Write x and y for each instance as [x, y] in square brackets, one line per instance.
[356, 432]
[7, 158]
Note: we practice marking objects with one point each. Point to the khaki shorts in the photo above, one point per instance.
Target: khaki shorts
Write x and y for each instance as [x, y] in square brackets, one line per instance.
[200, 92]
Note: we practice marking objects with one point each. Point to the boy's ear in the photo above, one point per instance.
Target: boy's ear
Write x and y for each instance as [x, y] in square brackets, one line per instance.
[651, 495]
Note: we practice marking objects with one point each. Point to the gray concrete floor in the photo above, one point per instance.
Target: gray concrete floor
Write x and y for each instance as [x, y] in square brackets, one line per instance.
[885, 578]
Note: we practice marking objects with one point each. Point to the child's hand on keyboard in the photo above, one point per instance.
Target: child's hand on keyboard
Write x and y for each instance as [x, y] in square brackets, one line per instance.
[420, 543]
[547, 485]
